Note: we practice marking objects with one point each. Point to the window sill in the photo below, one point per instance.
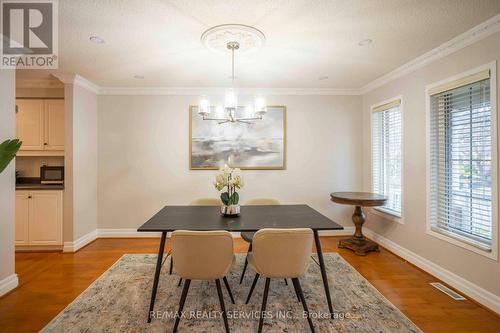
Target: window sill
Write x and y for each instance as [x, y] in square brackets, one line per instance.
[464, 243]
[387, 215]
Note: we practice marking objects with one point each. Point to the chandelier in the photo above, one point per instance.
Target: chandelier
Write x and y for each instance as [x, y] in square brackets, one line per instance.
[231, 111]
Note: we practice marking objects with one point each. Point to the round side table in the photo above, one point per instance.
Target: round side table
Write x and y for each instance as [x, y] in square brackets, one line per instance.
[359, 243]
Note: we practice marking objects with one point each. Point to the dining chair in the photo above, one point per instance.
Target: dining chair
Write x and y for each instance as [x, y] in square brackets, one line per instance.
[196, 202]
[281, 253]
[203, 255]
[247, 236]
[206, 202]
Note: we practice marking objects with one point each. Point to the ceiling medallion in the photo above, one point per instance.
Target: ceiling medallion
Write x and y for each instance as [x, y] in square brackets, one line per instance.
[249, 38]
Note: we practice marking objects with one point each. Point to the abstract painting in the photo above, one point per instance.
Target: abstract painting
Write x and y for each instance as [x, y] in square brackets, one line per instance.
[260, 144]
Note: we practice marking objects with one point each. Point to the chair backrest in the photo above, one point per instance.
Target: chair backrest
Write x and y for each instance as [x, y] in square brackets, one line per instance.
[206, 202]
[263, 201]
[202, 255]
[280, 253]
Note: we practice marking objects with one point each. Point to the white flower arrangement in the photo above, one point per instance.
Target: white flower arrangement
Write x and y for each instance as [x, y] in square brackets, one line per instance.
[232, 179]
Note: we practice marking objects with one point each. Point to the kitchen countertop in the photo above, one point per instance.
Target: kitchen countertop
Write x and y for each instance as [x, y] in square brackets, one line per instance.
[30, 183]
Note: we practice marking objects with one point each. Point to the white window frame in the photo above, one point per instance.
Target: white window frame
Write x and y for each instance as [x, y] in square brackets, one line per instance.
[380, 211]
[453, 238]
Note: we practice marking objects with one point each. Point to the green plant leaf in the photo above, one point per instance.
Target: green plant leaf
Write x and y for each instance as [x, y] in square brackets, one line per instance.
[235, 198]
[225, 198]
[8, 150]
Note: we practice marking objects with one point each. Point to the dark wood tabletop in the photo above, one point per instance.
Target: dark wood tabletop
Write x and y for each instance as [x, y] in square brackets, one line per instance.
[252, 218]
[364, 199]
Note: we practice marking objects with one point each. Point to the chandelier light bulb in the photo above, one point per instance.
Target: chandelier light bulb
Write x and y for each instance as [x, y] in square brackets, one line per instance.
[231, 100]
[260, 106]
[204, 107]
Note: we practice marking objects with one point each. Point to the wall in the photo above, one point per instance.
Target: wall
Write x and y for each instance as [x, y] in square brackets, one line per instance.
[80, 194]
[68, 164]
[84, 161]
[412, 235]
[8, 279]
[143, 156]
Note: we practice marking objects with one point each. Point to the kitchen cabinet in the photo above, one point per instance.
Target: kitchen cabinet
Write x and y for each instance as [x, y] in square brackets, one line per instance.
[39, 217]
[22, 218]
[54, 124]
[29, 123]
[40, 125]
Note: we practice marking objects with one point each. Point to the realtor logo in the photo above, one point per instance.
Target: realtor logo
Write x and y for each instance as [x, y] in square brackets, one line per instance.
[29, 34]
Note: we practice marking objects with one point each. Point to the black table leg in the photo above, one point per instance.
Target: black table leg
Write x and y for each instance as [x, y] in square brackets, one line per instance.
[157, 274]
[323, 270]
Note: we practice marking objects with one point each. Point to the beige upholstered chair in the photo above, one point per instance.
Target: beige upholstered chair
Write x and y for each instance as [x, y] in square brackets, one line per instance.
[247, 236]
[281, 253]
[206, 202]
[203, 255]
[196, 202]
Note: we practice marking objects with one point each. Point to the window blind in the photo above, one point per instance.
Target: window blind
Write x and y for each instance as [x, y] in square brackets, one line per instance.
[387, 154]
[461, 163]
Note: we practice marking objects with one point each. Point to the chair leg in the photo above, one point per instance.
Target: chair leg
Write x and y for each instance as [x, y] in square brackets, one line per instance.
[296, 292]
[296, 282]
[222, 306]
[180, 282]
[171, 265]
[251, 288]
[228, 289]
[181, 304]
[264, 302]
[246, 263]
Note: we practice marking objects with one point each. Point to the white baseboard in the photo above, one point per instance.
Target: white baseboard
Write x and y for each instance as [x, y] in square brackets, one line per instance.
[80, 242]
[468, 288]
[348, 231]
[133, 233]
[125, 233]
[9, 283]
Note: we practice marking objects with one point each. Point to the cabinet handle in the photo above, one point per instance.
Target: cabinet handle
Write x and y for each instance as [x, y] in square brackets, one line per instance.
[45, 144]
[29, 196]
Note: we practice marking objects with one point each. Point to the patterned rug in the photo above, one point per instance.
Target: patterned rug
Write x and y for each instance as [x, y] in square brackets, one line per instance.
[118, 301]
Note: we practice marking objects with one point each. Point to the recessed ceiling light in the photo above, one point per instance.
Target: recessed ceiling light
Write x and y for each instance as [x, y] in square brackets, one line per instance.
[138, 77]
[97, 40]
[365, 42]
[321, 78]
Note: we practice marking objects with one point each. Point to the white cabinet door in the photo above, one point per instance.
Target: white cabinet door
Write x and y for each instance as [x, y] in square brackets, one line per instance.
[54, 124]
[29, 123]
[22, 217]
[45, 226]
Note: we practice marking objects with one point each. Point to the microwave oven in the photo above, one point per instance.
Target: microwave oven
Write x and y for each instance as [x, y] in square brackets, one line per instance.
[51, 174]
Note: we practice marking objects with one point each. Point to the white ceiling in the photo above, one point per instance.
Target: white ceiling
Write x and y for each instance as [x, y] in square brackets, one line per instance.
[306, 39]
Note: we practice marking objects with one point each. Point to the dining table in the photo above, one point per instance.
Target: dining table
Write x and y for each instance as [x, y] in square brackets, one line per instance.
[251, 218]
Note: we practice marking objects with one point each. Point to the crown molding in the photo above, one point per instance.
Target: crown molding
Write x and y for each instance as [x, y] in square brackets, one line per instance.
[64, 77]
[469, 37]
[39, 83]
[77, 80]
[86, 84]
[221, 90]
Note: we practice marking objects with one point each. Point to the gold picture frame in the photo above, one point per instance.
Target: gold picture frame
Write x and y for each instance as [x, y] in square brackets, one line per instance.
[243, 167]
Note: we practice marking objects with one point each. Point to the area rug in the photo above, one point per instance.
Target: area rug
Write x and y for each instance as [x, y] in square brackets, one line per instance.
[118, 301]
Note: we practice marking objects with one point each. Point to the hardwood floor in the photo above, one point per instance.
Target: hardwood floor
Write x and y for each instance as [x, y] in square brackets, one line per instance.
[50, 281]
